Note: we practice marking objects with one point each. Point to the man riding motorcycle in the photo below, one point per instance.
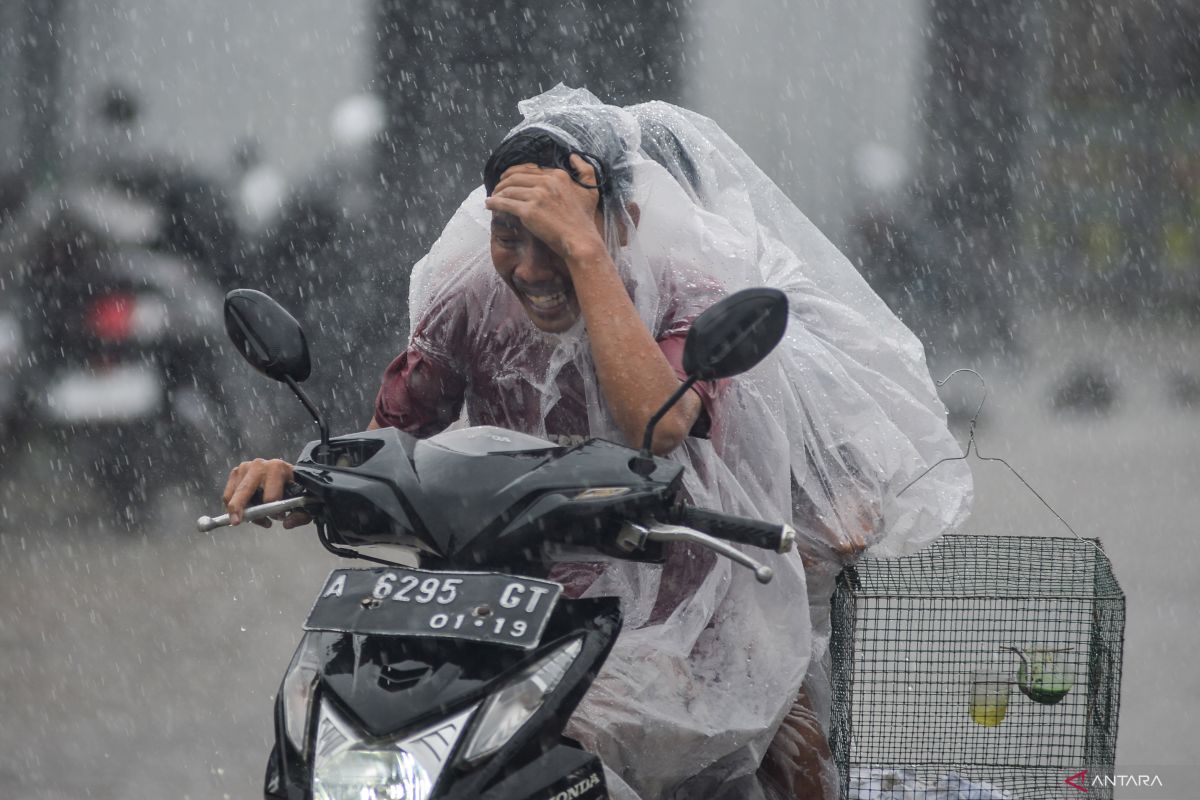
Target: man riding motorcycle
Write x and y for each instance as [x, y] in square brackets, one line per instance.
[556, 303]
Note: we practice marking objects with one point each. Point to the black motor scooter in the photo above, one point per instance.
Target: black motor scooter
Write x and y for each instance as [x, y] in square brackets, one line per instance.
[457, 679]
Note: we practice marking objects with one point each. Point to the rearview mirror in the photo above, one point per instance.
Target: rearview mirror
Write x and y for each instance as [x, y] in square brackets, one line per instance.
[273, 342]
[730, 337]
[266, 335]
[735, 333]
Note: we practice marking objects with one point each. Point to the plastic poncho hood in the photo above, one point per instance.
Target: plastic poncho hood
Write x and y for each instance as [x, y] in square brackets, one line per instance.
[823, 433]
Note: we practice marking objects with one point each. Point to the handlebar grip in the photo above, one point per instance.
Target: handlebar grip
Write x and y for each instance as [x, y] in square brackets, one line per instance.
[743, 530]
[206, 523]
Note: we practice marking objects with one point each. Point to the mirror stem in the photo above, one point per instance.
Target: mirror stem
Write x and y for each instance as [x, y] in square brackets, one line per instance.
[648, 439]
[316, 415]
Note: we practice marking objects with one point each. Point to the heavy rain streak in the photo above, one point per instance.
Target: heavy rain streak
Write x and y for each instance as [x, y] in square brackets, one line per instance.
[1019, 180]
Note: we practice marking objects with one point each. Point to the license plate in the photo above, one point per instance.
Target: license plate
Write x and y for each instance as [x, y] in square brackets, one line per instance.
[397, 601]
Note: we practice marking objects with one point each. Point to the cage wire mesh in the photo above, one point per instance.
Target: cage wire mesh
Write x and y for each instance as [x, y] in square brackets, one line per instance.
[950, 667]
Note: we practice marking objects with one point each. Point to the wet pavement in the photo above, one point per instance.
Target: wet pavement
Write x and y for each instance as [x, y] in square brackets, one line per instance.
[144, 664]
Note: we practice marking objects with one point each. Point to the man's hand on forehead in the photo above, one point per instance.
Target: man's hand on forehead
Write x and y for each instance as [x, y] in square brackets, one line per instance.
[550, 204]
[584, 178]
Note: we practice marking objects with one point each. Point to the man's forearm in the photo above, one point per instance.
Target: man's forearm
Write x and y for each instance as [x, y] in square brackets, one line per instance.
[633, 372]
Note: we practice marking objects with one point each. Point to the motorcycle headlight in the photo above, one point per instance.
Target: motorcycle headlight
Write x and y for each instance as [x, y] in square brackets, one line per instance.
[506, 711]
[347, 766]
[369, 774]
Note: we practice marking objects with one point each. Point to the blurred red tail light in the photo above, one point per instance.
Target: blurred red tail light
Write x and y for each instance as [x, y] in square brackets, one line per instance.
[110, 317]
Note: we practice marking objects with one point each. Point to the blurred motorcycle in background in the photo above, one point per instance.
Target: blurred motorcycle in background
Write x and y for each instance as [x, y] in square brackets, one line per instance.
[111, 288]
[111, 332]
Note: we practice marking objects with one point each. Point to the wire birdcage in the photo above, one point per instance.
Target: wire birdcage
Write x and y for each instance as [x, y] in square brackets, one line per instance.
[991, 663]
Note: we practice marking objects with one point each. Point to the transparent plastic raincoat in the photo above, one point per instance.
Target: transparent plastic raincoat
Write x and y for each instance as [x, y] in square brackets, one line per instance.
[824, 434]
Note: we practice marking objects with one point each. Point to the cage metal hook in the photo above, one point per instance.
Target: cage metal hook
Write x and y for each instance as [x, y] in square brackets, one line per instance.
[972, 444]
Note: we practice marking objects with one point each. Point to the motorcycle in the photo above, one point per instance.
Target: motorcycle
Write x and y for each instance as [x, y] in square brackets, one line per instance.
[116, 335]
[449, 670]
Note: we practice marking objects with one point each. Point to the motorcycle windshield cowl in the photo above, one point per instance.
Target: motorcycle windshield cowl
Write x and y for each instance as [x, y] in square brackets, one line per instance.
[487, 440]
[478, 496]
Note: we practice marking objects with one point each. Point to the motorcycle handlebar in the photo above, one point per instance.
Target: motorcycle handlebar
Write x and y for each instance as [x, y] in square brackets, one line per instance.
[206, 523]
[743, 530]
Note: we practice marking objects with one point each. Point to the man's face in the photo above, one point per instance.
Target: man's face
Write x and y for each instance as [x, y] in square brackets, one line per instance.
[537, 275]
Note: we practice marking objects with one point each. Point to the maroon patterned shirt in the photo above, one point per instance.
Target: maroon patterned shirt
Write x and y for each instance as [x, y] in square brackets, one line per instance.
[423, 393]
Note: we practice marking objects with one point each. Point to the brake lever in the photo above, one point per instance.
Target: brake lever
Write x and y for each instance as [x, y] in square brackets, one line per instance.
[633, 536]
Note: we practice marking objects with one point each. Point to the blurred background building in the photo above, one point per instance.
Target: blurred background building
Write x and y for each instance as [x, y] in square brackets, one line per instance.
[964, 154]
